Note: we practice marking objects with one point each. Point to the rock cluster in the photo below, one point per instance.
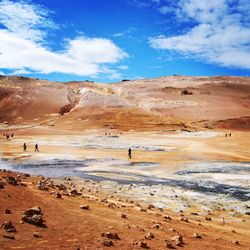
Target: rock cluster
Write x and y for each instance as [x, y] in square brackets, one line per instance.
[44, 184]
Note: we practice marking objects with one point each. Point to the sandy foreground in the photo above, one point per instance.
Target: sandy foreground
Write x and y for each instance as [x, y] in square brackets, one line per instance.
[201, 177]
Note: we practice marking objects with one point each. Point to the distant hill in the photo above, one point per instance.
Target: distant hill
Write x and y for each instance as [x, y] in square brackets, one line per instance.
[176, 102]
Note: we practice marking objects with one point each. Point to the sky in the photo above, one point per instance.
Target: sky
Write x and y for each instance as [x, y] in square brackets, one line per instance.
[111, 40]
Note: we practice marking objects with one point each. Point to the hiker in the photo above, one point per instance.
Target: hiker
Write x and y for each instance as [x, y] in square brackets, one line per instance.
[12, 135]
[24, 147]
[226, 135]
[230, 134]
[36, 148]
[129, 153]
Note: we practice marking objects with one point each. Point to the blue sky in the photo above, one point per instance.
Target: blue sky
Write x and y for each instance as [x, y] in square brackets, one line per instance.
[111, 40]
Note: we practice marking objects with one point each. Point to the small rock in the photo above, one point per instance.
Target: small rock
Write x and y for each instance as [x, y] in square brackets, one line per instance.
[208, 218]
[61, 187]
[110, 235]
[8, 227]
[107, 242]
[178, 240]
[124, 216]
[12, 180]
[184, 219]
[157, 226]
[194, 213]
[37, 235]
[167, 217]
[7, 236]
[112, 205]
[149, 236]
[141, 244]
[150, 206]
[85, 207]
[74, 192]
[236, 242]
[196, 235]
[7, 211]
[169, 244]
[57, 195]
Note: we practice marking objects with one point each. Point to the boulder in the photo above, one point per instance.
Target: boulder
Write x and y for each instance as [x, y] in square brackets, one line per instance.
[33, 216]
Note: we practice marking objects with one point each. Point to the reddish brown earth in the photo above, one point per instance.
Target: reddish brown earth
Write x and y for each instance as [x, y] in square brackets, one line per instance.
[69, 227]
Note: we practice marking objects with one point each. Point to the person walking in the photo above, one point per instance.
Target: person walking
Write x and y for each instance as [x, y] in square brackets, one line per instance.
[130, 153]
[24, 147]
[36, 148]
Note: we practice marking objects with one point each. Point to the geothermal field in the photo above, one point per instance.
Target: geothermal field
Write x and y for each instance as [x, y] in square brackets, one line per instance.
[186, 185]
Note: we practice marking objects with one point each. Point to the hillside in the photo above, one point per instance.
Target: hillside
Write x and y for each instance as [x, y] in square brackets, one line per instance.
[176, 102]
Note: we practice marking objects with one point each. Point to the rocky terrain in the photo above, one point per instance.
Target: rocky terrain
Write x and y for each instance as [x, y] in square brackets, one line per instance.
[176, 102]
[41, 213]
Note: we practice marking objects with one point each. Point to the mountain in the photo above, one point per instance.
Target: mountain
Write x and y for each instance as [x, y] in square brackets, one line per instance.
[176, 102]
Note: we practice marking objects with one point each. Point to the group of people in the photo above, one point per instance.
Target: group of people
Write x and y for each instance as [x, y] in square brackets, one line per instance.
[25, 147]
[228, 135]
[8, 136]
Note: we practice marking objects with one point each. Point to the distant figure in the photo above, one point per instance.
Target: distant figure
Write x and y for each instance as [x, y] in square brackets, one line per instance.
[24, 147]
[226, 135]
[36, 148]
[7, 137]
[12, 135]
[230, 134]
[129, 153]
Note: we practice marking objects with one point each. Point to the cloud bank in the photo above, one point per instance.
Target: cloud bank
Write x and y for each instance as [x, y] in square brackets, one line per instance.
[23, 38]
[219, 31]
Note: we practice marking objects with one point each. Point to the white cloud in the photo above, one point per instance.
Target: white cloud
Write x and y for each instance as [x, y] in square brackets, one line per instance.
[25, 19]
[123, 67]
[221, 33]
[22, 50]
